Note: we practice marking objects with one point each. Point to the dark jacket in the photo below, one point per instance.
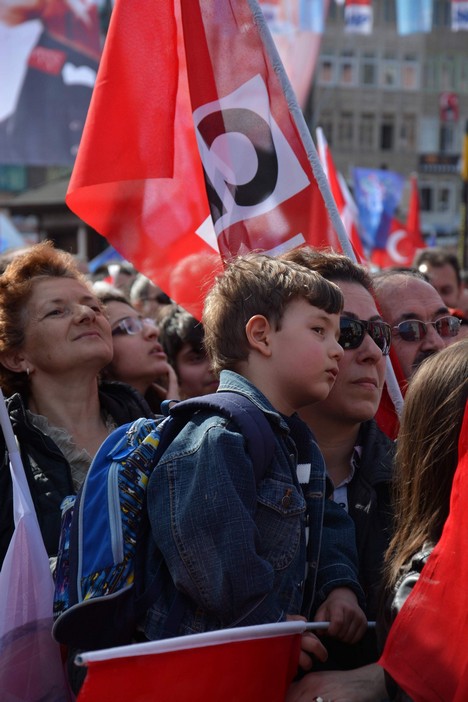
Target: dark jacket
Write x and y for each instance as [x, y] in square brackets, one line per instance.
[47, 470]
[369, 505]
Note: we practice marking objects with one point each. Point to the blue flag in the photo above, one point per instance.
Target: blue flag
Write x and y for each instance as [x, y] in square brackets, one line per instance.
[414, 16]
[377, 193]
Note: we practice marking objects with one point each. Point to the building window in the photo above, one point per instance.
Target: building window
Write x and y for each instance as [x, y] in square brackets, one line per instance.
[389, 13]
[387, 133]
[326, 122]
[345, 130]
[366, 131]
[327, 70]
[389, 77]
[410, 73]
[448, 139]
[347, 69]
[408, 132]
[368, 69]
[447, 73]
[443, 200]
[441, 13]
[426, 199]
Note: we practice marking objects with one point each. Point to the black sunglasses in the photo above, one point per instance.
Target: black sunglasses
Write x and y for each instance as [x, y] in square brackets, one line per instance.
[415, 330]
[352, 332]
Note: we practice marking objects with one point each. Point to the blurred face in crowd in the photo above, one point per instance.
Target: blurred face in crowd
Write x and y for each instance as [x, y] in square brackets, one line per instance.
[139, 359]
[194, 372]
[444, 280]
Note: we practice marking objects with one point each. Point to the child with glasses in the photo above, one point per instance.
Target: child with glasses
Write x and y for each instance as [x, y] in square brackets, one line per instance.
[139, 359]
[245, 553]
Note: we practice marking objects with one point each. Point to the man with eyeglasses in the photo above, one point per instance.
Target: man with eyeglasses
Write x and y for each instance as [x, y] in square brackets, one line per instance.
[421, 322]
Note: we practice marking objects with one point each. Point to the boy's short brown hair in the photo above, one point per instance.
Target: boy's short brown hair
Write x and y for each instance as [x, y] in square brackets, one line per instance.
[257, 284]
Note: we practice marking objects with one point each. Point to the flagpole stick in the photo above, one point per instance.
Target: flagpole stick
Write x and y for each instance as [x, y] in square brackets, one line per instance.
[302, 128]
[298, 116]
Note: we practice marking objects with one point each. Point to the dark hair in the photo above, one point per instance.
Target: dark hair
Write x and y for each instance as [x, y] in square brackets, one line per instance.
[257, 284]
[332, 266]
[176, 328]
[16, 288]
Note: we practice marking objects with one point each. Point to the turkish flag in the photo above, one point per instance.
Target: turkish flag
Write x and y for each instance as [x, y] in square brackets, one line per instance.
[403, 240]
[245, 663]
[190, 154]
[425, 650]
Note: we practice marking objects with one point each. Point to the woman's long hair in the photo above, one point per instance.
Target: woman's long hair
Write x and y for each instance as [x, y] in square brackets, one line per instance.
[427, 454]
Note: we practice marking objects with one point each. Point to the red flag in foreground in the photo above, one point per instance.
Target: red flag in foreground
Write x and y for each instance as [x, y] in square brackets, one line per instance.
[139, 178]
[404, 240]
[426, 648]
[248, 663]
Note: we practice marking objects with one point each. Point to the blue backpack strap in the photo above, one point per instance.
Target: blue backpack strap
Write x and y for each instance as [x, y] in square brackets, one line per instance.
[250, 419]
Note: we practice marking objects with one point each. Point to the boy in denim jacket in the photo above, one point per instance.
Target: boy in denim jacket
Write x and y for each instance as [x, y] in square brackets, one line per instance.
[244, 553]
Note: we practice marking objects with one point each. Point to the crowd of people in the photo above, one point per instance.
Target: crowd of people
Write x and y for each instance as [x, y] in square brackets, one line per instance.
[341, 524]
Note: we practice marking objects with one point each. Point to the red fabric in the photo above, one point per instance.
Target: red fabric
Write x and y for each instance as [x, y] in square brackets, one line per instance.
[138, 178]
[404, 240]
[345, 208]
[252, 670]
[426, 650]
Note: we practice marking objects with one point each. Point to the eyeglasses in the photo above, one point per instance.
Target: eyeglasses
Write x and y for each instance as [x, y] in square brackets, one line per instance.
[132, 325]
[353, 331]
[415, 330]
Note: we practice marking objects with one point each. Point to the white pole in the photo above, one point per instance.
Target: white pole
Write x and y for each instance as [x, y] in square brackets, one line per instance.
[322, 182]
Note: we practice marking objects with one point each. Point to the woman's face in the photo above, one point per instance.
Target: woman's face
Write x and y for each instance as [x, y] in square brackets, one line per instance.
[356, 394]
[139, 359]
[65, 329]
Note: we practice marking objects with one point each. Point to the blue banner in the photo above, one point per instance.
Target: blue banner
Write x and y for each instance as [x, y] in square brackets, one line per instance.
[377, 193]
[414, 16]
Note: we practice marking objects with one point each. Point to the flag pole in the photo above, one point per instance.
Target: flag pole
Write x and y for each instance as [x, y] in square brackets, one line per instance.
[322, 182]
[302, 128]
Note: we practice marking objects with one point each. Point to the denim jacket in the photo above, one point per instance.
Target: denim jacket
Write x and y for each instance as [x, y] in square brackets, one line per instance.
[237, 549]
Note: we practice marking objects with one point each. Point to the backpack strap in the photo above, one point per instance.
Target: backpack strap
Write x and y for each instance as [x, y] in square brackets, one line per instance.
[250, 419]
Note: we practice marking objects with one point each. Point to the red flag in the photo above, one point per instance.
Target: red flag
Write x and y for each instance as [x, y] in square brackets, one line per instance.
[425, 651]
[344, 201]
[403, 241]
[247, 663]
[139, 179]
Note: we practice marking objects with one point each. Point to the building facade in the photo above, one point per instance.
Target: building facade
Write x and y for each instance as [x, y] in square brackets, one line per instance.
[398, 103]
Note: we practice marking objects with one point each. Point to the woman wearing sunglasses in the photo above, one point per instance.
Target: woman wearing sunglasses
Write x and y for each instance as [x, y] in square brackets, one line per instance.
[139, 359]
[357, 454]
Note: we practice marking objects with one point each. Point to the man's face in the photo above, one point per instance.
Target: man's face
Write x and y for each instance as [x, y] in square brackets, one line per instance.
[444, 280]
[401, 298]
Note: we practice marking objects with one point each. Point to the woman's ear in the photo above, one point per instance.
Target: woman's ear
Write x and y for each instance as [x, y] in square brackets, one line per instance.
[258, 330]
[15, 362]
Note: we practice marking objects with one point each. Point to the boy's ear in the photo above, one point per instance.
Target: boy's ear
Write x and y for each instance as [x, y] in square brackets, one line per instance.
[258, 330]
[14, 362]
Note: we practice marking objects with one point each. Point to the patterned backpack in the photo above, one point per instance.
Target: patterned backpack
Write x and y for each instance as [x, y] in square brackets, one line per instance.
[100, 594]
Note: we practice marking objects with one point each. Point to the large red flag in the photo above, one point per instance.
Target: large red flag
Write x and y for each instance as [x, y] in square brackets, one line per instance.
[404, 240]
[426, 650]
[139, 178]
[246, 663]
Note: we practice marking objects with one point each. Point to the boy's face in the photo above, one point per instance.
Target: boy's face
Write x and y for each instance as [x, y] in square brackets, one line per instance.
[304, 356]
